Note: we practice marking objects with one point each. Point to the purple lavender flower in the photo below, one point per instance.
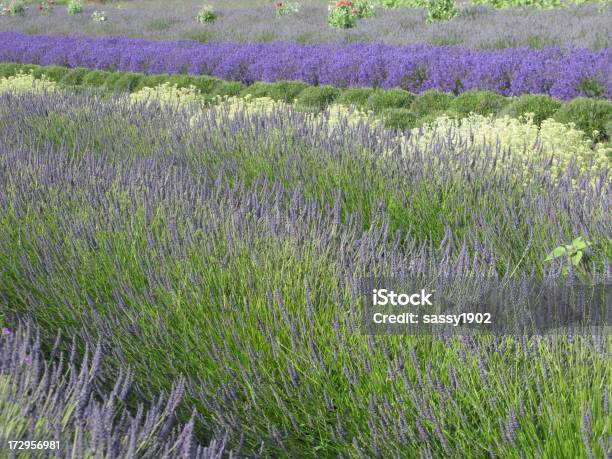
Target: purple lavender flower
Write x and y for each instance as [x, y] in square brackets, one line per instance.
[561, 73]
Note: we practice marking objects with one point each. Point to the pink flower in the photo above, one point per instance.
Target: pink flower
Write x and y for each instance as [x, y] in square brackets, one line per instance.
[28, 359]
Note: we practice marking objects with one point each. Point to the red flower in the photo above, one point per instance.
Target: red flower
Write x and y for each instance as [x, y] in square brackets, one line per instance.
[344, 3]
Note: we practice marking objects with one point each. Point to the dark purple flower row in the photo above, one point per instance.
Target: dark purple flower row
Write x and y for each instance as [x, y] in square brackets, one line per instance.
[564, 74]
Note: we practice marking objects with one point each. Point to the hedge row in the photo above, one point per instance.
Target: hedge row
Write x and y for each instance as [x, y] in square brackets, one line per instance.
[399, 108]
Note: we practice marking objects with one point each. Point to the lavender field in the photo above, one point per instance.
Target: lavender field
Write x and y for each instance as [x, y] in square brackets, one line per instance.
[183, 258]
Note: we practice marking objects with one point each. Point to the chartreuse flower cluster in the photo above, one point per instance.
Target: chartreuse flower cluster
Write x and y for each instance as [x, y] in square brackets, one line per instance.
[26, 82]
[563, 143]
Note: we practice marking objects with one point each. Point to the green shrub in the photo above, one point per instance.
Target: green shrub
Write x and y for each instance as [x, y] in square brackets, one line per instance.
[52, 73]
[365, 8]
[259, 89]
[75, 76]
[355, 96]
[127, 82]
[16, 7]
[74, 7]
[383, 99]
[592, 116]
[96, 78]
[481, 102]
[431, 101]
[206, 14]
[441, 10]
[541, 106]
[206, 84]
[181, 81]
[433, 116]
[399, 118]
[342, 16]
[286, 91]
[317, 97]
[228, 88]
[111, 83]
[7, 70]
[287, 8]
[152, 81]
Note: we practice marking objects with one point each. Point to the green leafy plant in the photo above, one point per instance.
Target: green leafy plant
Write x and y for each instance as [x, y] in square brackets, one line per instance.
[431, 101]
[46, 6]
[345, 13]
[389, 98]
[480, 102]
[541, 106]
[206, 14]
[342, 15]
[441, 10]
[573, 253]
[589, 115]
[286, 91]
[317, 97]
[98, 16]
[74, 7]
[14, 8]
[284, 8]
[398, 118]
[355, 96]
[365, 9]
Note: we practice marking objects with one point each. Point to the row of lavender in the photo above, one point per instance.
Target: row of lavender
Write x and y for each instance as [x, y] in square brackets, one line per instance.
[564, 74]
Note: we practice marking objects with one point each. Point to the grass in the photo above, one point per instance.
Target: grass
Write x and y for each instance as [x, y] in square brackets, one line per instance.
[227, 249]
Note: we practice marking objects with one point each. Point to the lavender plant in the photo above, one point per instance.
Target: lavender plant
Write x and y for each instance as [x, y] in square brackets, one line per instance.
[59, 402]
[514, 71]
[226, 249]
